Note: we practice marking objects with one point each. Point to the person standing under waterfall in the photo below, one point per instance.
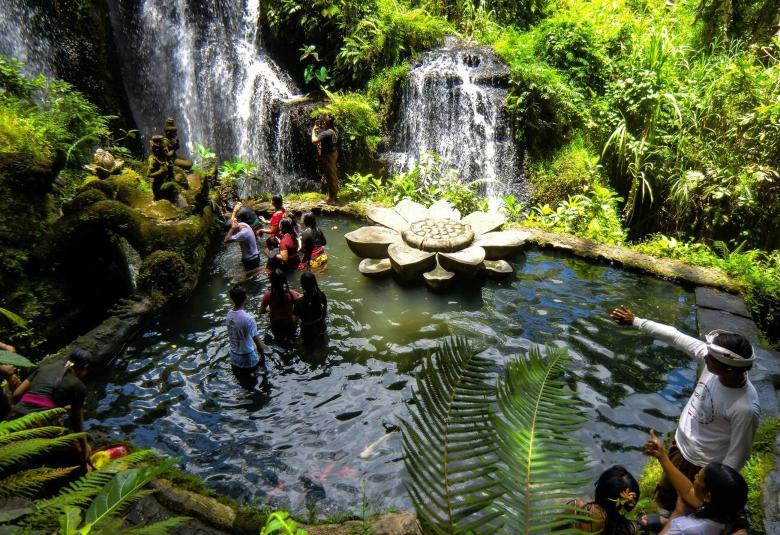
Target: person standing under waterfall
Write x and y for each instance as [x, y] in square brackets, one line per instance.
[241, 232]
[324, 136]
[719, 421]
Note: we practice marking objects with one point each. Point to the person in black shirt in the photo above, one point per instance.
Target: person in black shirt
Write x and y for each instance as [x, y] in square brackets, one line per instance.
[57, 384]
[311, 308]
[324, 136]
[312, 240]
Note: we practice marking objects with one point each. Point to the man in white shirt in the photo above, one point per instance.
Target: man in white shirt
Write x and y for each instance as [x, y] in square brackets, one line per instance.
[719, 421]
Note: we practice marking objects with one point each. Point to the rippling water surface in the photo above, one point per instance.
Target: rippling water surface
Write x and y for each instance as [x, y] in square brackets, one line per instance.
[297, 443]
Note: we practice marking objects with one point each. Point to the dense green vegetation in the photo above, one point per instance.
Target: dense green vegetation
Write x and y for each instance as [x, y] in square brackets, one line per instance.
[643, 121]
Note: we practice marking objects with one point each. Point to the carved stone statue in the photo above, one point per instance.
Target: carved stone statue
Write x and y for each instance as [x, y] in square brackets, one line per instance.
[172, 144]
[104, 164]
[160, 164]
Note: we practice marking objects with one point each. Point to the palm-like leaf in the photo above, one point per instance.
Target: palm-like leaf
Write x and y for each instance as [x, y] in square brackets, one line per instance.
[29, 482]
[16, 452]
[541, 464]
[34, 419]
[450, 445]
[36, 432]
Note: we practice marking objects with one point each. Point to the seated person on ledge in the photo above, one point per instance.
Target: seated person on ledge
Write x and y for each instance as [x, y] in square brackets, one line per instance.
[57, 384]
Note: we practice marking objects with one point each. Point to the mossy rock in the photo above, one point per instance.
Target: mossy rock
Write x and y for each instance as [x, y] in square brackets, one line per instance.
[249, 521]
[163, 271]
[82, 200]
[170, 191]
[130, 189]
[108, 188]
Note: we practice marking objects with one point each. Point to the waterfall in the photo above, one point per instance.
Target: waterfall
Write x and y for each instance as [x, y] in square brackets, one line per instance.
[453, 106]
[203, 63]
[24, 32]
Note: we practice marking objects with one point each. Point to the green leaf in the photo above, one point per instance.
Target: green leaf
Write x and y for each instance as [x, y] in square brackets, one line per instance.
[120, 489]
[34, 419]
[158, 528]
[70, 520]
[15, 319]
[6, 357]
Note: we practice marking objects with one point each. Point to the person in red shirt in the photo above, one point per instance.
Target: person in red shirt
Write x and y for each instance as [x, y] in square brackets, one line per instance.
[278, 302]
[273, 232]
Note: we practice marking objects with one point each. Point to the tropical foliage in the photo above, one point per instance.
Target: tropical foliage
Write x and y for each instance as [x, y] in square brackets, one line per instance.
[510, 472]
[88, 505]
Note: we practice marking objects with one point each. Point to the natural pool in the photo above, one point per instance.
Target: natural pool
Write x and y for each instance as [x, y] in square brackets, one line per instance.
[297, 444]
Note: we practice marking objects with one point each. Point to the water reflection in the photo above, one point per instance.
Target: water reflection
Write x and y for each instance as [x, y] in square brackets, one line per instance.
[297, 442]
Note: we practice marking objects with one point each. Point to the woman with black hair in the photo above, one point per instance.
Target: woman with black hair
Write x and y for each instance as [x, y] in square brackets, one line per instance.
[286, 256]
[278, 302]
[617, 492]
[312, 243]
[311, 308]
[717, 496]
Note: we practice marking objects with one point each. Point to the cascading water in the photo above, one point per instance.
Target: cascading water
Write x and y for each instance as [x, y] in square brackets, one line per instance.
[23, 36]
[453, 107]
[203, 62]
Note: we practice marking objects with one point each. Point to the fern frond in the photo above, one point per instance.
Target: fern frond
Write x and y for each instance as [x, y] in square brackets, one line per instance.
[19, 451]
[37, 432]
[34, 419]
[449, 445]
[28, 483]
[541, 463]
[158, 528]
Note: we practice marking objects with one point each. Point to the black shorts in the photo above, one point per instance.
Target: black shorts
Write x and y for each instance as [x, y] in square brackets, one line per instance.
[251, 263]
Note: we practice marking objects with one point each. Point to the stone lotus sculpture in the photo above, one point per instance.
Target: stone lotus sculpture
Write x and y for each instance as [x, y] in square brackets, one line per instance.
[435, 243]
[104, 164]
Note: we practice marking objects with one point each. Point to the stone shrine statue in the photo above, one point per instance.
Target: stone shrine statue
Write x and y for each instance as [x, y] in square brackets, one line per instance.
[172, 144]
[160, 164]
[104, 164]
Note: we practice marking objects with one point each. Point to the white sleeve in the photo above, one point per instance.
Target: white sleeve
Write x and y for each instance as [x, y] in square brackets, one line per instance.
[743, 430]
[693, 347]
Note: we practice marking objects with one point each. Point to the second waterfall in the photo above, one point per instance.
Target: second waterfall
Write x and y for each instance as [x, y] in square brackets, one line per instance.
[203, 63]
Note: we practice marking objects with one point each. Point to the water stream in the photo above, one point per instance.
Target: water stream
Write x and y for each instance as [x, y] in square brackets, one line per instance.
[297, 444]
[24, 36]
[453, 106]
[203, 62]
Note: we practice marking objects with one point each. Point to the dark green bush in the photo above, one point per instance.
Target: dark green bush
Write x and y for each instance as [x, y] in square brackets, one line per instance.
[163, 271]
[566, 173]
[575, 49]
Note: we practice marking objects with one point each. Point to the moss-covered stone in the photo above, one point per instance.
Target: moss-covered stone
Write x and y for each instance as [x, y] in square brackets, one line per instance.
[163, 271]
[82, 200]
[130, 189]
[170, 191]
[107, 187]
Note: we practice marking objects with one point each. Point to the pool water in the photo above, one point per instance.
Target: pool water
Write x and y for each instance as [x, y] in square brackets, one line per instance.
[297, 442]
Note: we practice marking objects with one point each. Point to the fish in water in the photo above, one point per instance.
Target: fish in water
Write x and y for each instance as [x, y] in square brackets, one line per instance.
[369, 451]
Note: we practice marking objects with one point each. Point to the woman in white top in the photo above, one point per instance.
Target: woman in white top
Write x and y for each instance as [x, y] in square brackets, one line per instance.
[718, 495]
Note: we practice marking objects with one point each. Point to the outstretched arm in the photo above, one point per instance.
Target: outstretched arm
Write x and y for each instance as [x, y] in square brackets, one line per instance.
[684, 486]
[693, 347]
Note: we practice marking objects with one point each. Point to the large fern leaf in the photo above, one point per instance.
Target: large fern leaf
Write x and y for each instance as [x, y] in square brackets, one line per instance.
[158, 528]
[36, 432]
[450, 444]
[16, 452]
[28, 421]
[29, 482]
[541, 465]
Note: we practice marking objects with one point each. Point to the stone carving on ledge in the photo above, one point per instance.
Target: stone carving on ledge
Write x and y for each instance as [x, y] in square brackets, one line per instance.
[104, 164]
[434, 243]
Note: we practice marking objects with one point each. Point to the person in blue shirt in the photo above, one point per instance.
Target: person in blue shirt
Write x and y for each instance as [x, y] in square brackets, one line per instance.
[246, 349]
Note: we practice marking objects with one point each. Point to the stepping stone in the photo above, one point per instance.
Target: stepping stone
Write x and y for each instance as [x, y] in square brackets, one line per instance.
[438, 278]
[484, 222]
[408, 262]
[498, 269]
[502, 243]
[717, 300]
[375, 267]
[371, 242]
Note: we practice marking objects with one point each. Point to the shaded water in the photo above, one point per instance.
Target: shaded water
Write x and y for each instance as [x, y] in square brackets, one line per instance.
[297, 444]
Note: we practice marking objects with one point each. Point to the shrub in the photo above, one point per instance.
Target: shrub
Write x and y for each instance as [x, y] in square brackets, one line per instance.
[163, 271]
[563, 174]
[358, 124]
[384, 90]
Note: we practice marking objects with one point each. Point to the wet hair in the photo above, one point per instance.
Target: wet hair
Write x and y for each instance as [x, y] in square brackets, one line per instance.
[609, 485]
[728, 493]
[242, 216]
[286, 226]
[279, 287]
[276, 200]
[81, 358]
[309, 220]
[735, 343]
[237, 294]
[327, 121]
